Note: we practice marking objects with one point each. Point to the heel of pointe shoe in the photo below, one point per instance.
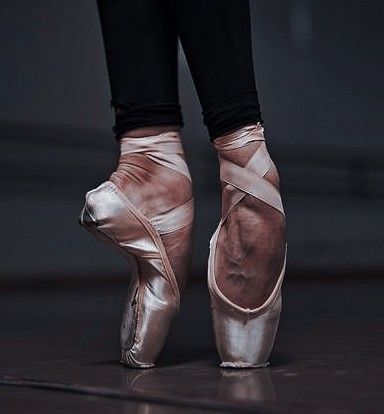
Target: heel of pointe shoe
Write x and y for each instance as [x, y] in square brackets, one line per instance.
[244, 340]
[153, 296]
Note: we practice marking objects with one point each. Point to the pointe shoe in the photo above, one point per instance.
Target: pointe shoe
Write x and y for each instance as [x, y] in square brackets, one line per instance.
[244, 337]
[154, 293]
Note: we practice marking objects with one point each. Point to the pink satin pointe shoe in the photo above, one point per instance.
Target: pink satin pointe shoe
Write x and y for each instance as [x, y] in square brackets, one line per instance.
[154, 290]
[244, 337]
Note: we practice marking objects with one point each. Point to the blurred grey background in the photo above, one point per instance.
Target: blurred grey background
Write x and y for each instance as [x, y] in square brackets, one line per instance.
[319, 68]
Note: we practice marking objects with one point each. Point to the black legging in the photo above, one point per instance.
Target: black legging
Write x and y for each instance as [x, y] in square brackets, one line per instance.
[140, 38]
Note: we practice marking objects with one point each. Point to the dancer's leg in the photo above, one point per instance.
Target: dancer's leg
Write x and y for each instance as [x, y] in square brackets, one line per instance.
[141, 50]
[146, 206]
[248, 250]
[216, 38]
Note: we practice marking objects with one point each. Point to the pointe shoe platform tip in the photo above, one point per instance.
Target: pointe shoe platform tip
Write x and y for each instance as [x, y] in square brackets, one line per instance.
[243, 365]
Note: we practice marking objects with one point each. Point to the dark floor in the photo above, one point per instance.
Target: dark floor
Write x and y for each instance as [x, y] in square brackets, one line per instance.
[60, 351]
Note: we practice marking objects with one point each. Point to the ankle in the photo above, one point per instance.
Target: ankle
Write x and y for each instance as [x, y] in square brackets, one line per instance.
[229, 148]
[152, 171]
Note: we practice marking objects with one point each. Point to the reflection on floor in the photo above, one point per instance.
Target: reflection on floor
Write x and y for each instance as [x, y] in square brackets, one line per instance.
[60, 352]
